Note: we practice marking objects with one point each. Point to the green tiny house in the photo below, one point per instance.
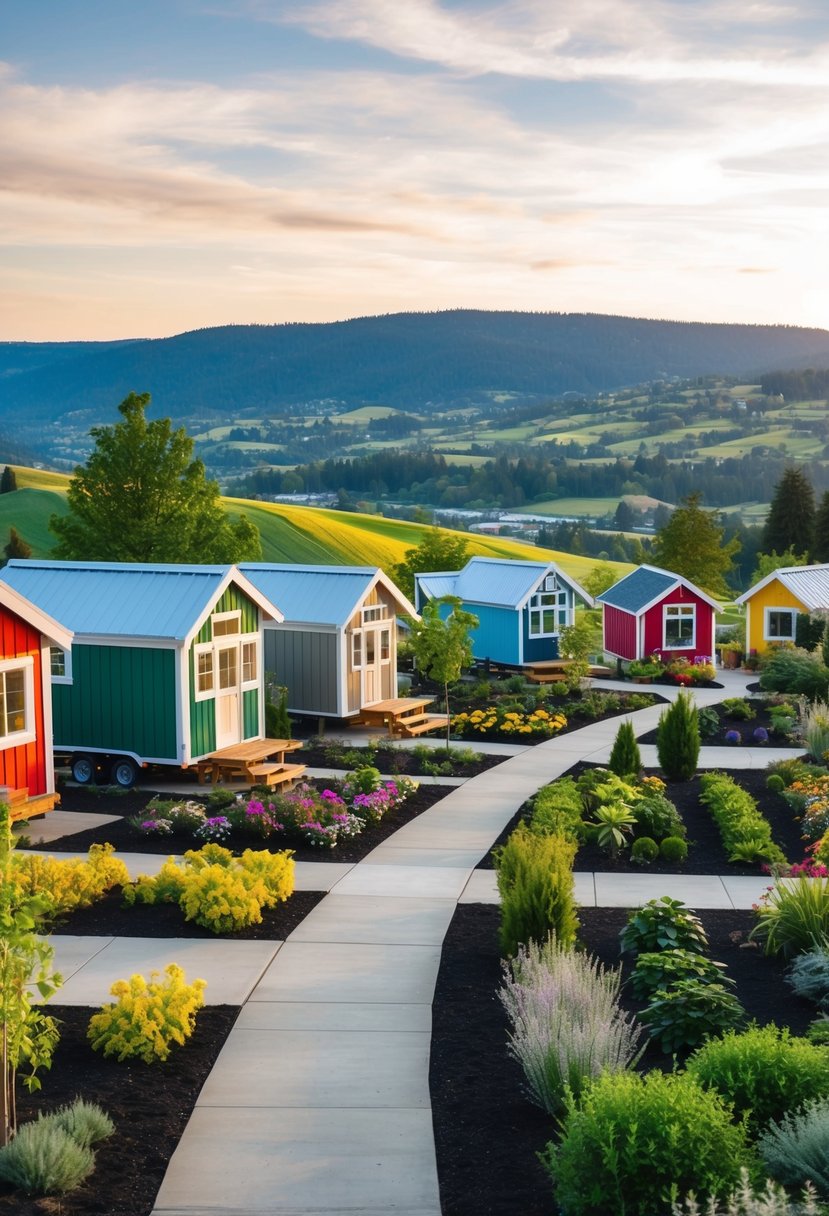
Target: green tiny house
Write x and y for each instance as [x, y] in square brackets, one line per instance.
[166, 663]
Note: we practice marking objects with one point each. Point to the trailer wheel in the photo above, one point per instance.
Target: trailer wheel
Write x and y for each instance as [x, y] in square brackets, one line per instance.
[124, 772]
[83, 769]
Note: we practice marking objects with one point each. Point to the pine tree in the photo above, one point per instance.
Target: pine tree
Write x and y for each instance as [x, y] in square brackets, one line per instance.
[677, 739]
[17, 546]
[791, 519]
[691, 543]
[625, 757]
[8, 480]
[820, 545]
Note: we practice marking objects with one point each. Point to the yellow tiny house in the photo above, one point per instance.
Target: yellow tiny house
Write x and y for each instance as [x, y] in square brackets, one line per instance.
[773, 604]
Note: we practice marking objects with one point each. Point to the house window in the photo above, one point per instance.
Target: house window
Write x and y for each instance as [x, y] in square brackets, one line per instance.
[228, 667]
[356, 650]
[679, 627]
[16, 702]
[227, 623]
[375, 612]
[204, 671]
[249, 663]
[549, 613]
[780, 624]
[60, 665]
[385, 645]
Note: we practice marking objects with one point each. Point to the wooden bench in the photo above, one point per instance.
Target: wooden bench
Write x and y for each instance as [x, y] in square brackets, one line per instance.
[273, 775]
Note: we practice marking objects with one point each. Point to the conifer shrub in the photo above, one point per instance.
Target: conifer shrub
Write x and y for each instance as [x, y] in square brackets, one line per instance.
[808, 975]
[796, 1150]
[537, 890]
[677, 739]
[793, 671]
[763, 1071]
[557, 810]
[633, 1143]
[149, 1016]
[625, 758]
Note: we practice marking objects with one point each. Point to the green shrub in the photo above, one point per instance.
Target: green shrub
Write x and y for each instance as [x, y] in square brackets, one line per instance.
[740, 708]
[663, 924]
[817, 1032]
[673, 849]
[708, 721]
[775, 783]
[745, 832]
[613, 825]
[793, 916]
[657, 816]
[644, 850]
[793, 671]
[815, 728]
[809, 976]
[633, 1143]
[662, 968]
[796, 1150]
[688, 1012]
[84, 1121]
[557, 810]
[677, 739]
[746, 1201]
[44, 1159]
[535, 882]
[763, 1071]
[625, 759]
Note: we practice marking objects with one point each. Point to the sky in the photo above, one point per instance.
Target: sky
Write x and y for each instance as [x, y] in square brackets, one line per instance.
[167, 165]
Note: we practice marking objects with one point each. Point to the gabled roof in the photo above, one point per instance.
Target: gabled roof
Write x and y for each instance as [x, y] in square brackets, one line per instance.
[500, 581]
[32, 615]
[122, 600]
[646, 586]
[321, 595]
[810, 584]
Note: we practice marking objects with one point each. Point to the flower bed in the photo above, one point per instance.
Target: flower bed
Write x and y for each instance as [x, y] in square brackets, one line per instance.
[508, 726]
[425, 759]
[535, 715]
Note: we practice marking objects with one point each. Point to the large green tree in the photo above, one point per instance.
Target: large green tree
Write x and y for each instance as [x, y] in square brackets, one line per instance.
[820, 546]
[790, 523]
[439, 549]
[141, 497]
[691, 543]
[441, 644]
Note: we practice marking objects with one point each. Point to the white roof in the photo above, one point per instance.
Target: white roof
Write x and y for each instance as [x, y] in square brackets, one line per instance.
[809, 584]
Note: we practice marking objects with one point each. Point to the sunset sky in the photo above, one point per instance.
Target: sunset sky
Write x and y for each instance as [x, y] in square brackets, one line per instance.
[173, 164]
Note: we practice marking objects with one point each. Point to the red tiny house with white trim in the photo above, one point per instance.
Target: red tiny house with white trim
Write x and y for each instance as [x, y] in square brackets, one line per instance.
[653, 611]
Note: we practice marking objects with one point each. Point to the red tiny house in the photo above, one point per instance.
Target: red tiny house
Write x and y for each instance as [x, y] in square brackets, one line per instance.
[27, 772]
[653, 611]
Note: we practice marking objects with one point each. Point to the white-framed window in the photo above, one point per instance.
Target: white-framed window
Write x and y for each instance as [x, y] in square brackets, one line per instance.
[781, 624]
[385, 645]
[679, 627]
[205, 675]
[17, 702]
[60, 665]
[250, 662]
[225, 624]
[357, 649]
[549, 613]
[374, 612]
[228, 667]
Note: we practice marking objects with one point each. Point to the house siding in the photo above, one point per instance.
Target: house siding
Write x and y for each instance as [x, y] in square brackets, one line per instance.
[537, 649]
[233, 599]
[25, 766]
[496, 637]
[250, 713]
[620, 633]
[306, 663]
[121, 699]
[773, 595]
[653, 629]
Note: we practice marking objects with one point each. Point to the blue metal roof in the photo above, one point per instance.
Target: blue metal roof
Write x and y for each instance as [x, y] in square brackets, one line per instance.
[319, 595]
[114, 599]
[501, 581]
[435, 586]
[639, 588]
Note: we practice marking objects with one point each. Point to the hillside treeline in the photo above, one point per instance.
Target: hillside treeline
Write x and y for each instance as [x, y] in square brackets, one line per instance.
[808, 385]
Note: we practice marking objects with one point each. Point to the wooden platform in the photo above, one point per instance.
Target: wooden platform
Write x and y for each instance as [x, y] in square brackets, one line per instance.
[24, 807]
[548, 671]
[404, 716]
[255, 762]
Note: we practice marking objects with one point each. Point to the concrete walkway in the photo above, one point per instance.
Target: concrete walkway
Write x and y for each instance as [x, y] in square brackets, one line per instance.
[319, 1100]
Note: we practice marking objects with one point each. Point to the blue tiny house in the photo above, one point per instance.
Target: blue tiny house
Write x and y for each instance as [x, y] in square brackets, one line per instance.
[165, 666]
[521, 607]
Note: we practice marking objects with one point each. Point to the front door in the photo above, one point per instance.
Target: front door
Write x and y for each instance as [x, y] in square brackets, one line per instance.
[228, 697]
[371, 668]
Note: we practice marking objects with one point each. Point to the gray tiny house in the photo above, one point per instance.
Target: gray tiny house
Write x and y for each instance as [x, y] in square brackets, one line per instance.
[165, 666]
[336, 649]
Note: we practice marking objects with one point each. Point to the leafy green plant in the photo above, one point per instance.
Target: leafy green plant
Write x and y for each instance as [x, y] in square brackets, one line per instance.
[745, 832]
[793, 916]
[657, 816]
[677, 739]
[644, 850]
[708, 721]
[740, 708]
[663, 924]
[625, 758]
[149, 1017]
[762, 1071]
[790, 670]
[557, 810]
[796, 1150]
[746, 1201]
[535, 882]
[613, 825]
[817, 1031]
[662, 968]
[646, 669]
[673, 849]
[688, 1012]
[633, 1143]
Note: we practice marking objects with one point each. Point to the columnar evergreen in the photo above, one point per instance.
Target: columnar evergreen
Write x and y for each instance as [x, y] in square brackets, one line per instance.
[677, 739]
[791, 518]
[820, 544]
[625, 757]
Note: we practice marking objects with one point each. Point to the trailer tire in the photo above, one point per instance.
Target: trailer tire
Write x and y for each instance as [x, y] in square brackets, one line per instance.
[84, 769]
[123, 772]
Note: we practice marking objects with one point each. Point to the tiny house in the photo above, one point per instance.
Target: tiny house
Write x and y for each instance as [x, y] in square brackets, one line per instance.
[165, 666]
[336, 649]
[772, 605]
[653, 611]
[521, 606]
[28, 639]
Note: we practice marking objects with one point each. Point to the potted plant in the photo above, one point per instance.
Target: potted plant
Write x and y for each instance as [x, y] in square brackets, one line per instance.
[645, 671]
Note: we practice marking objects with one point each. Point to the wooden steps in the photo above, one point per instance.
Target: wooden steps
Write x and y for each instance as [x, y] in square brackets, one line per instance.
[420, 724]
[24, 807]
[274, 775]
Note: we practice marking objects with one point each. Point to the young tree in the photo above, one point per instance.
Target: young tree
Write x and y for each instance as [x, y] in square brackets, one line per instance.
[439, 549]
[441, 644]
[691, 543]
[16, 546]
[599, 579]
[142, 498]
[767, 563]
[8, 480]
[790, 523]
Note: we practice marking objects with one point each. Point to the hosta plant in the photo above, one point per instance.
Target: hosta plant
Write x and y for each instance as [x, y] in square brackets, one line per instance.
[149, 1016]
[689, 1012]
[664, 967]
[663, 924]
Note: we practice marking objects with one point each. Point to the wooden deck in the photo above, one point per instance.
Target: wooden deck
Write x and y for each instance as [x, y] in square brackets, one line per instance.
[255, 762]
[24, 807]
[405, 716]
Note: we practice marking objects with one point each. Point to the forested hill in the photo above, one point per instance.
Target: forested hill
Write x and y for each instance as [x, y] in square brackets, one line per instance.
[406, 359]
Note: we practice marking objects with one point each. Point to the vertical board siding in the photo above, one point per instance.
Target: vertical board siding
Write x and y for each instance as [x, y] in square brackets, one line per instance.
[537, 649]
[773, 595]
[305, 662]
[496, 637]
[620, 633]
[202, 717]
[704, 644]
[25, 766]
[232, 599]
[122, 698]
[250, 713]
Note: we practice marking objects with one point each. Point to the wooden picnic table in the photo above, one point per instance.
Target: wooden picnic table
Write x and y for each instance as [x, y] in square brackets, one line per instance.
[242, 760]
[402, 716]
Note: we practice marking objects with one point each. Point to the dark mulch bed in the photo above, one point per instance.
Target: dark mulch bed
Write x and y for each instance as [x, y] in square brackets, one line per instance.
[396, 759]
[127, 840]
[487, 1133]
[743, 728]
[109, 917]
[576, 718]
[706, 854]
[149, 1104]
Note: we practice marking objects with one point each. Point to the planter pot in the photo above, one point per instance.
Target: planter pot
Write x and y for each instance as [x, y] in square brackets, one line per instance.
[642, 679]
[732, 659]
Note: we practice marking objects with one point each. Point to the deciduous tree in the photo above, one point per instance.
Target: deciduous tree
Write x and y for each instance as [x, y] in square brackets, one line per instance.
[691, 543]
[441, 644]
[141, 497]
[439, 549]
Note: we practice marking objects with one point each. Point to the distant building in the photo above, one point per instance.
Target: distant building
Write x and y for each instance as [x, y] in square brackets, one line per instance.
[772, 605]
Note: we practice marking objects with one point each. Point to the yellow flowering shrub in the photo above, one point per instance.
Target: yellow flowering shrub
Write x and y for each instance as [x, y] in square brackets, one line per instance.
[149, 1017]
[165, 887]
[223, 900]
[495, 722]
[276, 871]
[70, 883]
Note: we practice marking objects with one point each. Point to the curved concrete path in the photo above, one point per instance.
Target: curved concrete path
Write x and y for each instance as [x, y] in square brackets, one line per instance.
[319, 1100]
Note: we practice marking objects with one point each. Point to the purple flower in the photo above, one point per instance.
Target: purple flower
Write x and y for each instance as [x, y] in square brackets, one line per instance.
[733, 736]
[761, 735]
